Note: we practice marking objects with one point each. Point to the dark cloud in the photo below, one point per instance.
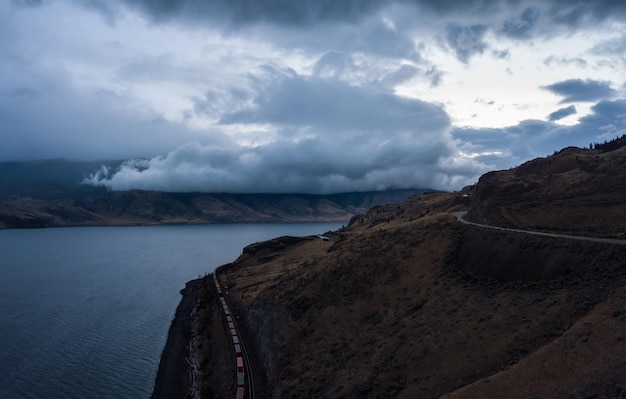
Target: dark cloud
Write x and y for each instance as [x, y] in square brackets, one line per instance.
[466, 41]
[581, 90]
[577, 13]
[340, 129]
[562, 113]
[285, 98]
[305, 13]
[329, 137]
[608, 117]
[282, 12]
[55, 121]
[522, 26]
[372, 36]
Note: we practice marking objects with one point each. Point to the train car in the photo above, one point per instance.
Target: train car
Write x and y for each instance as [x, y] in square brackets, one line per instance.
[239, 393]
[227, 312]
[233, 331]
[240, 378]
[240, 372]
[231, 324]
[229, 319]
[237, 349]
[235, 339]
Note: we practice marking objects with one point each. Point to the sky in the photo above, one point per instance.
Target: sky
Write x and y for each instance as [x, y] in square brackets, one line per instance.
[308, 96]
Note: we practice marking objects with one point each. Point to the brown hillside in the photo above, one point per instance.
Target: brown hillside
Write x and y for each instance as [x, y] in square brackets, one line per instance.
[406, 302]
[577, 191]
[405, 310]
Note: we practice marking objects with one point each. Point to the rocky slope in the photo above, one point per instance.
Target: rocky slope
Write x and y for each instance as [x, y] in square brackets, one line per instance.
[407, 302]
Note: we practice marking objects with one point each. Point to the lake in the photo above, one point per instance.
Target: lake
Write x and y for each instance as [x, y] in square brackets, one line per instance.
[86, 310]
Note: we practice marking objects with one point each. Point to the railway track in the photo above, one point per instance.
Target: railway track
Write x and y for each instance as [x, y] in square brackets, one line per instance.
[245, 377]
[249, 378]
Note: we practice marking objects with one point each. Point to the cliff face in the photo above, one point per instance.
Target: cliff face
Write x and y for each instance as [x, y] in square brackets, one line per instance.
[407, 302]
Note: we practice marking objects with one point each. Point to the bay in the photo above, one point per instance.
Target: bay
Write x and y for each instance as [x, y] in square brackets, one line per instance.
[85, 311]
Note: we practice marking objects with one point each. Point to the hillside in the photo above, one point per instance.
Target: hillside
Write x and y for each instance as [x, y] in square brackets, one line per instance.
[110, 208]
[406, 302]
[579, 191]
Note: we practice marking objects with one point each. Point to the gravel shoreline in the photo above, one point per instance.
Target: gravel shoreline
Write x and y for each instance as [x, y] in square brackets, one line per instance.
[173, 376]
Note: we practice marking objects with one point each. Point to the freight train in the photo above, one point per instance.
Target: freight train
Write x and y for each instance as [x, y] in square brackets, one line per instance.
[230, 325]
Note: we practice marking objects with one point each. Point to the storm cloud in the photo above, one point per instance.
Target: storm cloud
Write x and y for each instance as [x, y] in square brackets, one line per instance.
[562, 113]
[574, 90]
[330, 137]
[307, 12]
[308, 96]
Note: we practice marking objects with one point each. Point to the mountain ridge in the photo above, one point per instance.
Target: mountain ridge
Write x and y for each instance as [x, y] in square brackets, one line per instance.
[48, 193]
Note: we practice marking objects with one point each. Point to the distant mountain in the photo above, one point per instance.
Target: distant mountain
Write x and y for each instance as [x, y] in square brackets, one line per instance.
[48, 194]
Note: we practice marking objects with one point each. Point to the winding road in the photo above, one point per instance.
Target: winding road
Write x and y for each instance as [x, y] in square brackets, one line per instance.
[460, 217]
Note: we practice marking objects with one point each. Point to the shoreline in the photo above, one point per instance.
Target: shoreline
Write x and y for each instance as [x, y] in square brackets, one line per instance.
[173, 375]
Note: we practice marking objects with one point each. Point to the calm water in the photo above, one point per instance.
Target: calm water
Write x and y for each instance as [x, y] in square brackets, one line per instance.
[85, 311]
